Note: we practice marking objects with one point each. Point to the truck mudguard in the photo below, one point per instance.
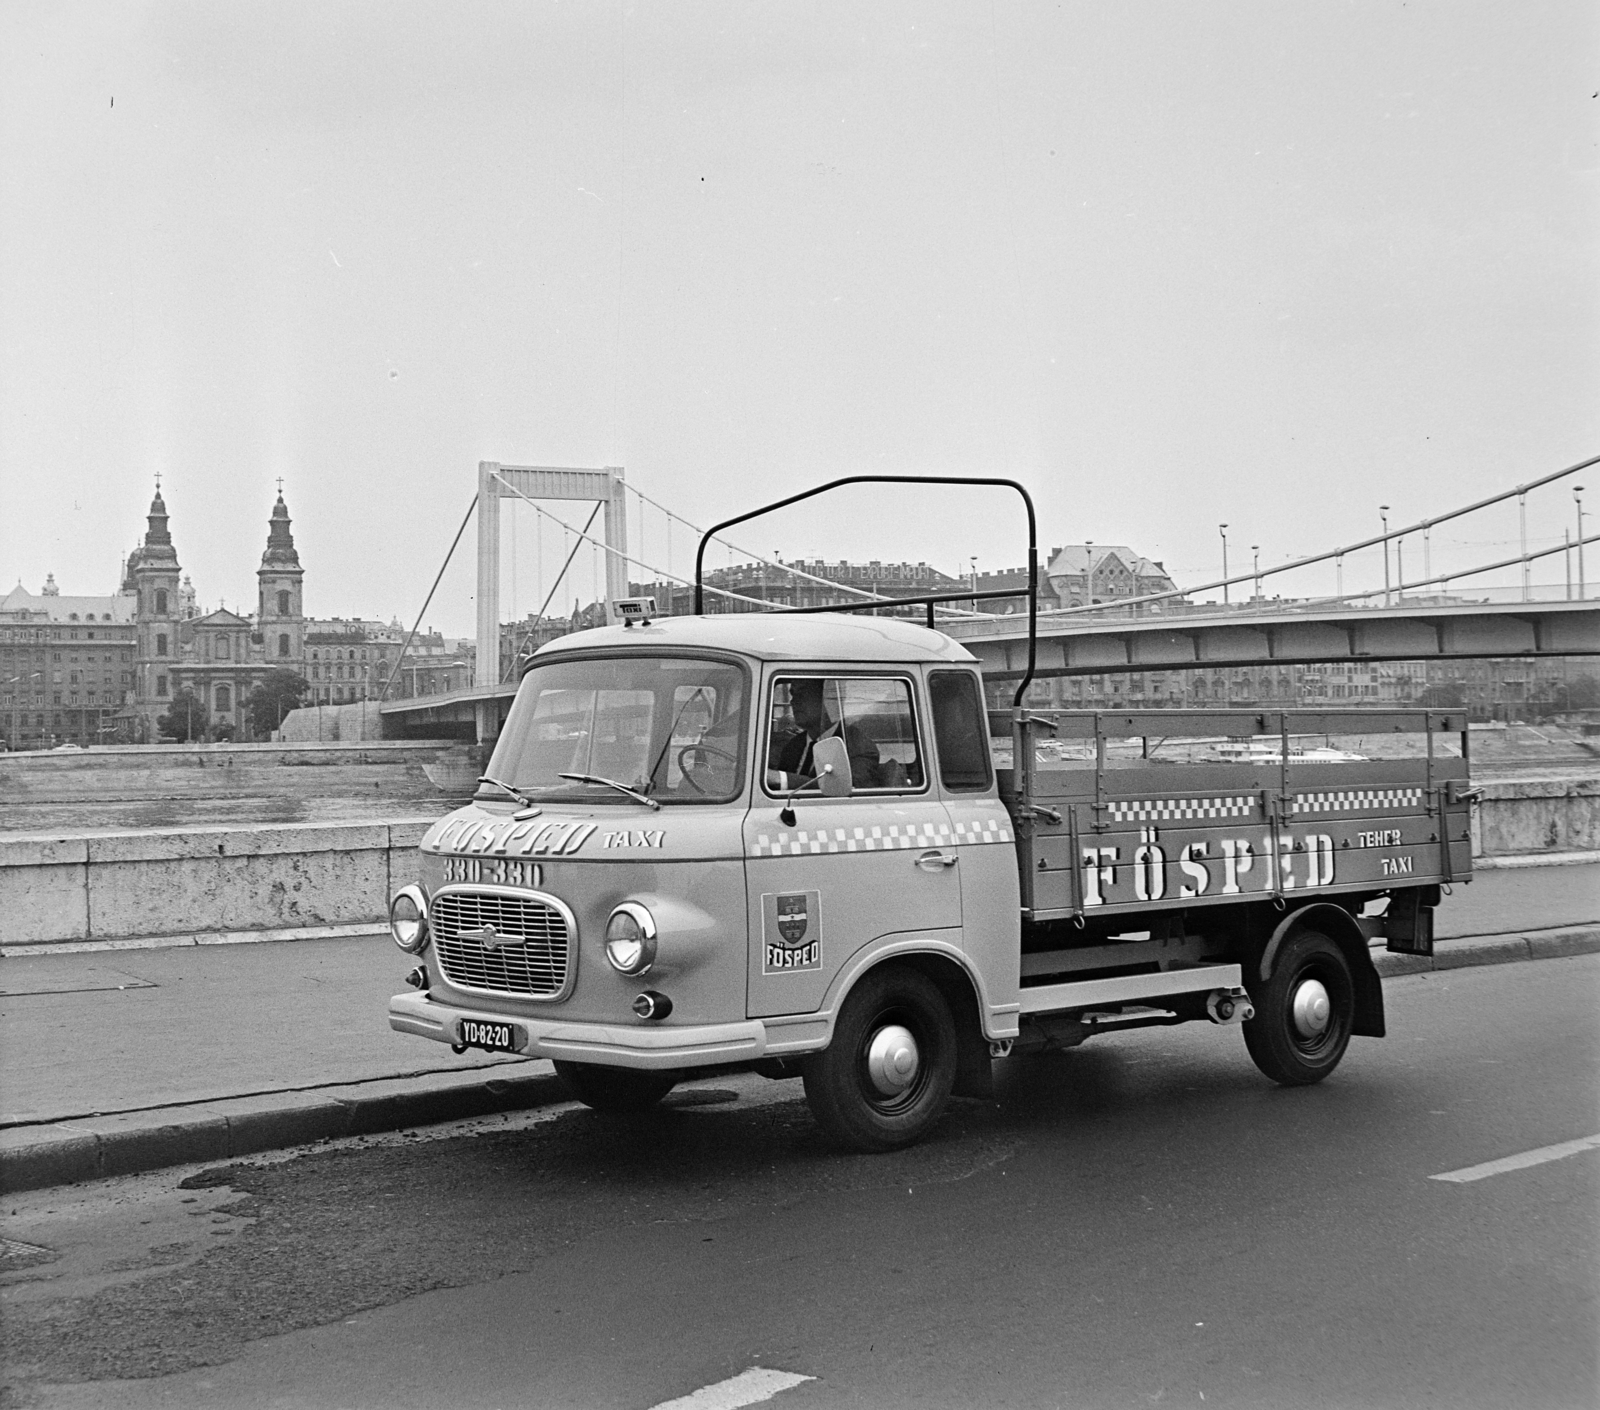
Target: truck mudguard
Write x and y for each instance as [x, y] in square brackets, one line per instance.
[1339, 926]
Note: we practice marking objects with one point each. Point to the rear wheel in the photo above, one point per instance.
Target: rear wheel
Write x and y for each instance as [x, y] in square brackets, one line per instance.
[1304, 1012]
[615, 1088]
[886, 1076]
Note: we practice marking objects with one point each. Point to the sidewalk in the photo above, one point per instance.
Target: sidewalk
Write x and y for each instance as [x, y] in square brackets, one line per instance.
[131, 1060]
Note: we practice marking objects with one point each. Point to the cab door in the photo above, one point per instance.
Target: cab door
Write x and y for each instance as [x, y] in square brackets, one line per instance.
[846, 871]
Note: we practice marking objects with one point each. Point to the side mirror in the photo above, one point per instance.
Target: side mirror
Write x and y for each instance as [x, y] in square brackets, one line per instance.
[832, 762]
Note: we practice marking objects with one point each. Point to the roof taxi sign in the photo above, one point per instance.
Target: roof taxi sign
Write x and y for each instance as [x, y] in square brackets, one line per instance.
[633, 611]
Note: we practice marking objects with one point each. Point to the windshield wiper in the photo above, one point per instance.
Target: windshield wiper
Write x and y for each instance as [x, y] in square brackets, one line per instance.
[516, 793]
[633, 793]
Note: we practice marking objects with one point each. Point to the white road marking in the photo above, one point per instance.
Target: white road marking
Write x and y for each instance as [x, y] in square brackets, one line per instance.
[1519, 1162]
[747, 1388]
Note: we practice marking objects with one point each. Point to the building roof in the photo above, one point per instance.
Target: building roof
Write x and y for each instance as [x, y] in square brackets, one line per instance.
[776, 636]
[1075, 558]
[220, 617]
[115, 608]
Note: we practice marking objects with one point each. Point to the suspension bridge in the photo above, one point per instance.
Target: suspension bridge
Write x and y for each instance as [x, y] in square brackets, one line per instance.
[1468, 610]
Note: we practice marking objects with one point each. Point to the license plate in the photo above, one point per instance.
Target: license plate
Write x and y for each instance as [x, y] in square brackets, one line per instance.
[494, 1037]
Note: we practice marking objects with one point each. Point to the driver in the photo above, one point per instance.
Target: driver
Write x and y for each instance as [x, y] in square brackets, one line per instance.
[791, 754]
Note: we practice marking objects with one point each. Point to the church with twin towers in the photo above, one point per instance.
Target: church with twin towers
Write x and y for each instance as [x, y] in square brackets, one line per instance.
[106, 669]
[218, 656]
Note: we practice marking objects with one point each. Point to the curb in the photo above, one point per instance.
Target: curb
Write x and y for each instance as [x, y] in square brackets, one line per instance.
[67, 1152]
[96, 1148]
[1493, 949]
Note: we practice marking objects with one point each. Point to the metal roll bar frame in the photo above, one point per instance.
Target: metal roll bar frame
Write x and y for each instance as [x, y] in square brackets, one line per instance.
[930, 599]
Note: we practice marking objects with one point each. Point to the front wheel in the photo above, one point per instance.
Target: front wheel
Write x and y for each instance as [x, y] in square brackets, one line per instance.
[614, 1088]
[886, 1076]
[1304, 1012]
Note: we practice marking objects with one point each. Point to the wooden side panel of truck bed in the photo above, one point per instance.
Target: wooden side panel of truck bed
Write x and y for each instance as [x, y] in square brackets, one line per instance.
[1096, 841]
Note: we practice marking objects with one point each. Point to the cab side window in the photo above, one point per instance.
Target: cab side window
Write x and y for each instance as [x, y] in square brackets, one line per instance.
[961, 729]
[874, 717]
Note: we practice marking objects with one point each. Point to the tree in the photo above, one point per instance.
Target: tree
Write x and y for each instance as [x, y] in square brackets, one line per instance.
[186, 720]
[277, 693]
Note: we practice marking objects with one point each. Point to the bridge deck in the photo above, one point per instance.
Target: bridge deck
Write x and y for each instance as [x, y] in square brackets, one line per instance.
[1083, 645]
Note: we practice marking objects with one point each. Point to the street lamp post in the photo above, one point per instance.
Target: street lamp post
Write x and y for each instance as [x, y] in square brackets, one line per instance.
[1577, 495]
[1522, 533]
[1383, 513]
[1223, 530]
[1255, 566]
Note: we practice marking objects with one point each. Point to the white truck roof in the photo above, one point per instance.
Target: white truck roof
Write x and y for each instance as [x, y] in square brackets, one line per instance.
[778, 636]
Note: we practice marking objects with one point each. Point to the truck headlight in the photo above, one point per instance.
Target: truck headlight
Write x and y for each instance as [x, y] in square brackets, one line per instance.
[631, 939]
[408, 919]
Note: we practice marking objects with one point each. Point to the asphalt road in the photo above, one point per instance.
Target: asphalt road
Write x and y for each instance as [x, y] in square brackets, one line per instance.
[1141, 1221]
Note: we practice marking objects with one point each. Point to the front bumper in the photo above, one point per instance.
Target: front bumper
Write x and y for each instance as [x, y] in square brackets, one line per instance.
[613, 1045]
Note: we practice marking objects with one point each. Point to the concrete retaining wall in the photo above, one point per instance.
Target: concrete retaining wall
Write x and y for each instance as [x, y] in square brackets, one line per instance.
[136, 885]
[129, 788]
[1537, 815]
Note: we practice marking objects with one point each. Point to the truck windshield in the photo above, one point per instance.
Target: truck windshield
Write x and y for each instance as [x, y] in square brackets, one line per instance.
[669, 727]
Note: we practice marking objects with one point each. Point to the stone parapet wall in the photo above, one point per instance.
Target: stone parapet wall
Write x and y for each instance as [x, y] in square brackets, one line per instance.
[137, 885]
[1530, 815]
[305, 876]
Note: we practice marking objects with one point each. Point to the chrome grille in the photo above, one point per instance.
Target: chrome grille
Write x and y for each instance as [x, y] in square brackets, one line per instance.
[531, 950]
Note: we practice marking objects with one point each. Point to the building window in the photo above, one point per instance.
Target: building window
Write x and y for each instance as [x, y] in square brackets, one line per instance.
[161, 643]
[161, 685]
[283, 604]
[283, 643]
[224, 648]
[224, 700]
[161, 602]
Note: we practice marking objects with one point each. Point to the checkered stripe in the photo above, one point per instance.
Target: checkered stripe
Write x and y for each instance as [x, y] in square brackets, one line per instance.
[1352, 800]
[894, 837]
[1181, 809]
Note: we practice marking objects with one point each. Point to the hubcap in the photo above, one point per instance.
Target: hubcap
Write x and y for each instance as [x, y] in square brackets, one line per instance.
[1311, 1009]
[892, 1059]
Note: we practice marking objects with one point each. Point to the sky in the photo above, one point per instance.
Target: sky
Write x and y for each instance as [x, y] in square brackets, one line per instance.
[1170, 263]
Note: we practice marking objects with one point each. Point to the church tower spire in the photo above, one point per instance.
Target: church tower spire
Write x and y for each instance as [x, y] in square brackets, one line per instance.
[154, 575]
[280, 575]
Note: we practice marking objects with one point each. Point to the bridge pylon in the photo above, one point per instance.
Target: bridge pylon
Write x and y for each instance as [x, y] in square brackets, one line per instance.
[496, 482]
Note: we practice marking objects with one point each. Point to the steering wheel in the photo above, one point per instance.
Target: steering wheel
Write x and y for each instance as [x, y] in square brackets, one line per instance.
[688, 773]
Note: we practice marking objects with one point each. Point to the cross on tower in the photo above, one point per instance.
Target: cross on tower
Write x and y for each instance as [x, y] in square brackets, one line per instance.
[280, 486]
[158, 482]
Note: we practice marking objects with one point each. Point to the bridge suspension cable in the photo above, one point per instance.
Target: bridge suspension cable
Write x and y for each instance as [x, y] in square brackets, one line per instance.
[788, 567]
[625, 557]
[400, 659]
[1339, 553]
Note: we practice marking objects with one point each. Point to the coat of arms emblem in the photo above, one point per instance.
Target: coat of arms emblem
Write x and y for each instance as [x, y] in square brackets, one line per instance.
[793, 920]
[792, 942]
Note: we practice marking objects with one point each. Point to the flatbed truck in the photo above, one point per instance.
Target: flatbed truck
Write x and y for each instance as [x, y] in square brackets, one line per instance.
[804, 844]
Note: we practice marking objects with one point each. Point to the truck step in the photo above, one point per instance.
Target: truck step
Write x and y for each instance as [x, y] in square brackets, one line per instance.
[1129, 988]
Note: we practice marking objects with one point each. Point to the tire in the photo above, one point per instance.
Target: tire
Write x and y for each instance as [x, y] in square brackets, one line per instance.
[863, 1113]
[1296, 1051]
[617, 1089]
